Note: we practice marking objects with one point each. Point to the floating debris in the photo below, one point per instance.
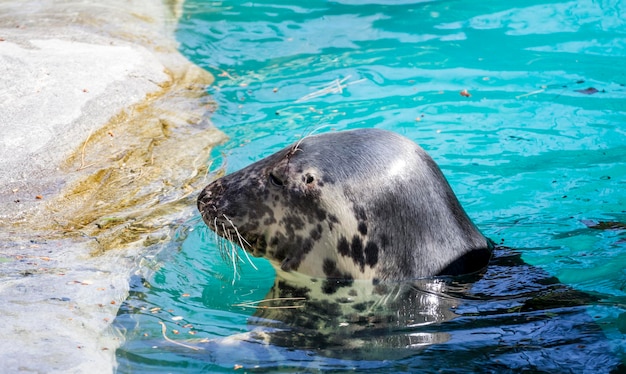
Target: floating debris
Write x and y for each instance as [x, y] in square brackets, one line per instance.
[588, 91]
[164, 330]
[605, 225]
[530, 93]
[336, 86]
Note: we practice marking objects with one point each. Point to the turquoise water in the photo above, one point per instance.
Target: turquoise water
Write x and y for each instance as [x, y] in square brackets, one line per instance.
[536, 153]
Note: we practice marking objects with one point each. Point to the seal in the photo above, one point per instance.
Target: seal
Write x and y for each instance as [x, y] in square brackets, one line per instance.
[360, 204]
[376, 260]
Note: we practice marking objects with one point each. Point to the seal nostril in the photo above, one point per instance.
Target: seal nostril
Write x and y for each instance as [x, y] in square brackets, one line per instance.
[309, 179]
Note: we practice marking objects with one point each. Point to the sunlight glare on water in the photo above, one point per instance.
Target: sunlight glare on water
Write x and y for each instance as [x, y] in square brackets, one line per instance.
[522, 104]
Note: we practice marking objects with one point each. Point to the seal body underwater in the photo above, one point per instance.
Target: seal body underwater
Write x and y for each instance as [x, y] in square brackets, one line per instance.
[358, 204]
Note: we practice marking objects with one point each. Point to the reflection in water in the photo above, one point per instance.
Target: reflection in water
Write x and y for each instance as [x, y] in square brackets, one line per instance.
[363, 320]
[359, 321]
[513, 312]
[510, 316]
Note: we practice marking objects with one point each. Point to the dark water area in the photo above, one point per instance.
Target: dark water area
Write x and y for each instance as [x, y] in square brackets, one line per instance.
[522, 105]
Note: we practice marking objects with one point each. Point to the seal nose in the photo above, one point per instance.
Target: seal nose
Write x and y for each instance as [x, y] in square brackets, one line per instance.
[203, 199]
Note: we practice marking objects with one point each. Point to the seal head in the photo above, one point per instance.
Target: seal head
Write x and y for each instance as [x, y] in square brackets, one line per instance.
[360, 204]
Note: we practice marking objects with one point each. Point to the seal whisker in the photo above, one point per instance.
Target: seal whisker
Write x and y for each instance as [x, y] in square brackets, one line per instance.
[244, 250]
[280, 307]
[220, 242]
[241, 241]
[233, 255]
[215, 230]
[295, 146]
[233, 248]
[255, 304]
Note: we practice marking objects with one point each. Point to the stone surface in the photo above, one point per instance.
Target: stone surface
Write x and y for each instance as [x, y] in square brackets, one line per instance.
[104, 145]
[58, 91]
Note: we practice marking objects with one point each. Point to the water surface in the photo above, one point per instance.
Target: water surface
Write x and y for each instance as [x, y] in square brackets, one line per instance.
[523, 106]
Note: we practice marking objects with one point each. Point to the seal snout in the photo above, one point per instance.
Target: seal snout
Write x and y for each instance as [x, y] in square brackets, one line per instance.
[204, 200]
[207, 205]
[213, 208]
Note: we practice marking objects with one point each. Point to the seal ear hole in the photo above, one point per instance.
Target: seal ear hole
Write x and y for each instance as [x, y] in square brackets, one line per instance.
[308, 179]
[276, 181]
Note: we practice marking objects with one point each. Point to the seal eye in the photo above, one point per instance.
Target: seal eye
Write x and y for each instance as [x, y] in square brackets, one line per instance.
[275, 181]
[308, 179]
